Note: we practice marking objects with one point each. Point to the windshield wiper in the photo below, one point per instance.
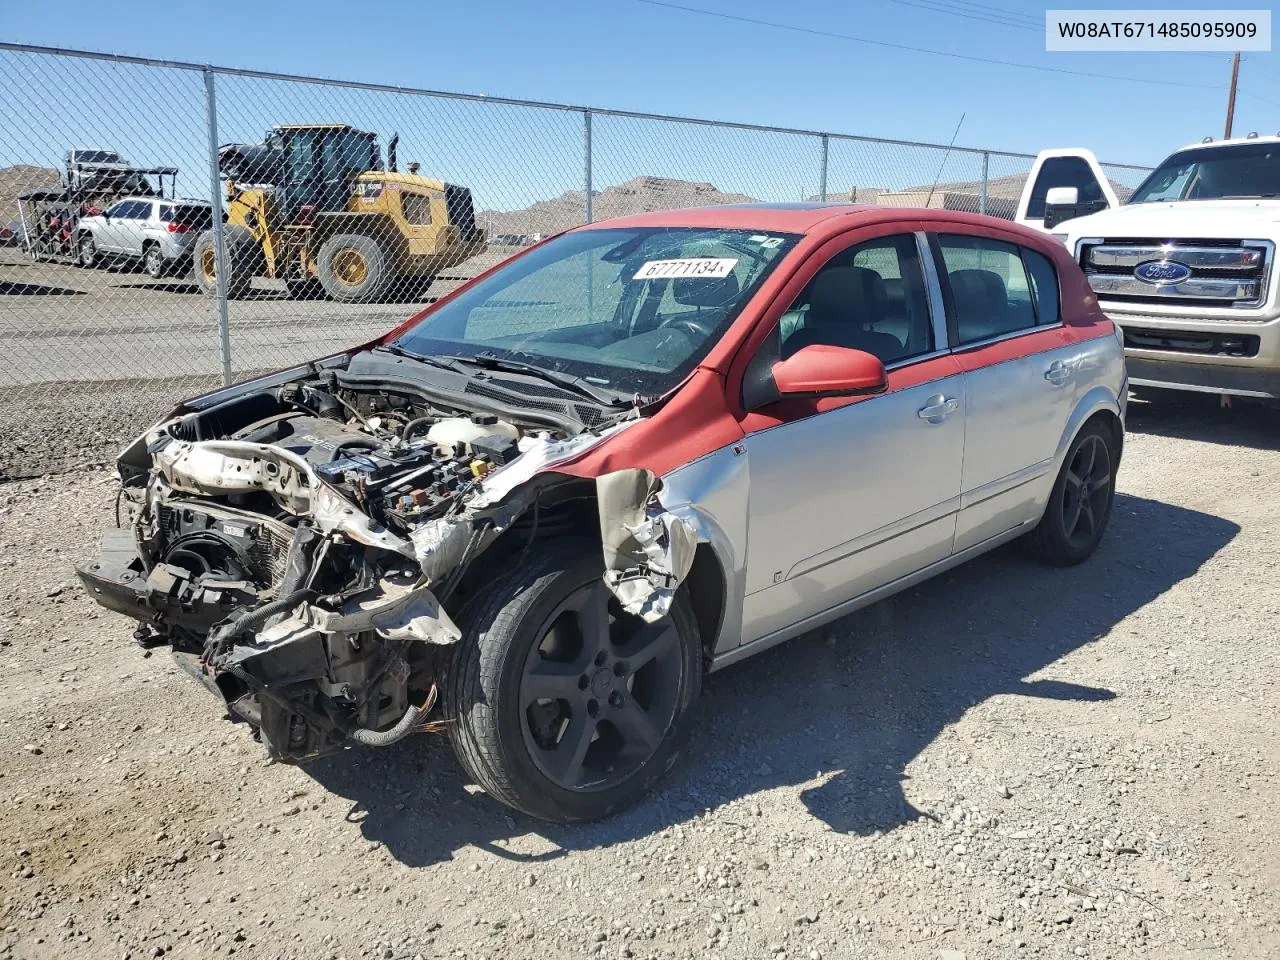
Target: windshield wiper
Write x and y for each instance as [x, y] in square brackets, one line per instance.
[578, 385]
[444, 363]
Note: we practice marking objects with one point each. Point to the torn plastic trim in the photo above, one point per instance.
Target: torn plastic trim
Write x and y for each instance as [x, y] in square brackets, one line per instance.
[648, 551]
[540, 455]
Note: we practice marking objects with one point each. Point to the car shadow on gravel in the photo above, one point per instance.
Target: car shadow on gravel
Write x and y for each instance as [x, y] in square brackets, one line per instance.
[851, 705]
[1201, 417]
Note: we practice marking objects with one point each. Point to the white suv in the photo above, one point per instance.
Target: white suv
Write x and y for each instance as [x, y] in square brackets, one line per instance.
[161, 233]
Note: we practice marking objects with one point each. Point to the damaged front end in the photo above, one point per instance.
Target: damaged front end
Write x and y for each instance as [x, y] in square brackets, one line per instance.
[296, 541]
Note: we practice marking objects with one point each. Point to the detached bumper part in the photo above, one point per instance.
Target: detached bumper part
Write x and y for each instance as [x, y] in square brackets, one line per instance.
[118, 581]
[309, 682]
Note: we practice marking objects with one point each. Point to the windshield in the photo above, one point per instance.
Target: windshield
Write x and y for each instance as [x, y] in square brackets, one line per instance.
[633, 310]
[1214, 173]
[95, 156]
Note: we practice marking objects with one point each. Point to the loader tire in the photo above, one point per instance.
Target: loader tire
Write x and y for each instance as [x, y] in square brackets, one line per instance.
[353, 268]
[242, 253]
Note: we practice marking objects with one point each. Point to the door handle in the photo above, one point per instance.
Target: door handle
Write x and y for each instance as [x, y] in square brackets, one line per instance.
[1058, 372]
[938, 408]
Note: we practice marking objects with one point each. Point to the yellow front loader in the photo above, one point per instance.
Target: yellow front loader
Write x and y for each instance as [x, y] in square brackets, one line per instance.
[313, 206]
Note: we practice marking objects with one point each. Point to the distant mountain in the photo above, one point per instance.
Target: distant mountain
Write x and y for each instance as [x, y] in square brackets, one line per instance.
[19, 179]
[638, 195]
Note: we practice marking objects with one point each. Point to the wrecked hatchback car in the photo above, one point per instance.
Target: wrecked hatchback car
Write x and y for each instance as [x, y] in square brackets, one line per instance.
[532, 516]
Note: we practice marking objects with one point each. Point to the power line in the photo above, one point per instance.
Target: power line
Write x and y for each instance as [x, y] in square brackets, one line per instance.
[813, 31]
[1250, 93]
[936, 6]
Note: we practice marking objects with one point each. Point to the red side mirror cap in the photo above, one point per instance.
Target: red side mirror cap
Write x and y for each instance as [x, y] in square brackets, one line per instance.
[822, 370]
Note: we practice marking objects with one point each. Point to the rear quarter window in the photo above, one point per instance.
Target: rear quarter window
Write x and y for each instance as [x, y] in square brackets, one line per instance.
[1044, 287]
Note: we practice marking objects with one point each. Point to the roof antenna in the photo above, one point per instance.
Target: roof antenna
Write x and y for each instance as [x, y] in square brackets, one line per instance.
[944, 161]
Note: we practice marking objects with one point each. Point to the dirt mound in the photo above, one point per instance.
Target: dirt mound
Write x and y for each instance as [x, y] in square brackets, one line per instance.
[18, 179]
[637, 195]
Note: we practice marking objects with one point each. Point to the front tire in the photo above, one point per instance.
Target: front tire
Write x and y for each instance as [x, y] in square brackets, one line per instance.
[563, 706]
[243, 256]
[88, 252]
[1080, 505]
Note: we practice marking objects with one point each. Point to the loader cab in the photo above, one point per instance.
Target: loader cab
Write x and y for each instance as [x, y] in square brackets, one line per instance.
[320, 165]
[1064, 184]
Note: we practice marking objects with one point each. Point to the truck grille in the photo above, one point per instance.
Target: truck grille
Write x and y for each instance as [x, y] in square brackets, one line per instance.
[1209, 273]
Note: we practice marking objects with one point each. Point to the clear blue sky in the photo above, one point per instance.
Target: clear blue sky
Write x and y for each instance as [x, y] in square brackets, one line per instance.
[633, 55]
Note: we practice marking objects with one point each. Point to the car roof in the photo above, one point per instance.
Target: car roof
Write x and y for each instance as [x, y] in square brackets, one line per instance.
[802, 218]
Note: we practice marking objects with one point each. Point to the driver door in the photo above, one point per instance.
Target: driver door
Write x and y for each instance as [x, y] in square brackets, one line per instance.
[107, 236]
[850, 494]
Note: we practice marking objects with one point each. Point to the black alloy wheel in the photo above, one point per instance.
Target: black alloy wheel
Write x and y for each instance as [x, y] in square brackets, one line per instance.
[1087, 493]
[598, 691]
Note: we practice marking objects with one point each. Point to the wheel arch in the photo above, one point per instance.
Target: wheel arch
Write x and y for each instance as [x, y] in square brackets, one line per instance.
[565, 505]
[1098, 405]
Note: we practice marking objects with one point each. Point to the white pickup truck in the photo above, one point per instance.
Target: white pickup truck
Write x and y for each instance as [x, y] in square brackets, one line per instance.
[1186, 266]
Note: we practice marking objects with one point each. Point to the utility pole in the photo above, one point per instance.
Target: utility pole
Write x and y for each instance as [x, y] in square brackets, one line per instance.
[1231, 97]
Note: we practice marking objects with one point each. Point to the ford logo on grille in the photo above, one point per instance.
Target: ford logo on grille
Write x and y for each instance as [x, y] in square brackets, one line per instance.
[1162, 271]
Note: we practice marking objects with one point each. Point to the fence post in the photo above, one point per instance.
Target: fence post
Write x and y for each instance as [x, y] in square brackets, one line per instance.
[982, 198]
[219, 244]
[822, 169]
[586, 163]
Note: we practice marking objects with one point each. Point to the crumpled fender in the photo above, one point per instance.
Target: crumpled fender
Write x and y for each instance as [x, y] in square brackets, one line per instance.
[647, 551]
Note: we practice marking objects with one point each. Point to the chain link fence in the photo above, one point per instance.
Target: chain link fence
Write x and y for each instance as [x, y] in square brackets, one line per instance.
[347, 207]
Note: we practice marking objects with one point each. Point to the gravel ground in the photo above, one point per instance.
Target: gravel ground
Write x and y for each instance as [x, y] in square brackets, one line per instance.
[1007, 762]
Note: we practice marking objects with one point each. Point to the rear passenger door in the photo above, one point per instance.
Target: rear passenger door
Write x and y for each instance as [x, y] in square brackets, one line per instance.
[1004, 324]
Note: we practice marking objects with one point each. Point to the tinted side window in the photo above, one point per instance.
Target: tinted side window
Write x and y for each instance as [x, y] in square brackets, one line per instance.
[1063, 172]
[138, 210]
[1044, 286]
[870, 297]
[118, 210]
[988, 294]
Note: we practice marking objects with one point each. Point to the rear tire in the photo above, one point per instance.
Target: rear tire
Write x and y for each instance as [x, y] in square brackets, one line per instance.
[242, 253]
[353, 268]
[152, 262]
[530, 680]
[1080, 505]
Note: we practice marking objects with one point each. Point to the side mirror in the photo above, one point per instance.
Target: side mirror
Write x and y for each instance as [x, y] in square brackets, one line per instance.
[822, 370]
[1062, 197]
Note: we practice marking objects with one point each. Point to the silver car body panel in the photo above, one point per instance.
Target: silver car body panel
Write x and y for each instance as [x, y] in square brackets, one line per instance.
[896, 497]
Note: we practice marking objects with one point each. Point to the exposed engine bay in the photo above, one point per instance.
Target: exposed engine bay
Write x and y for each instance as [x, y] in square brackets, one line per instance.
[298, 540]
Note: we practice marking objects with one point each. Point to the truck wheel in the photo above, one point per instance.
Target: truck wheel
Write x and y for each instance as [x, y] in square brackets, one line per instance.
[242, 252]
[152, 261]
[564, 706]
[88, 252]
[1080, 504]
[352, 268]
